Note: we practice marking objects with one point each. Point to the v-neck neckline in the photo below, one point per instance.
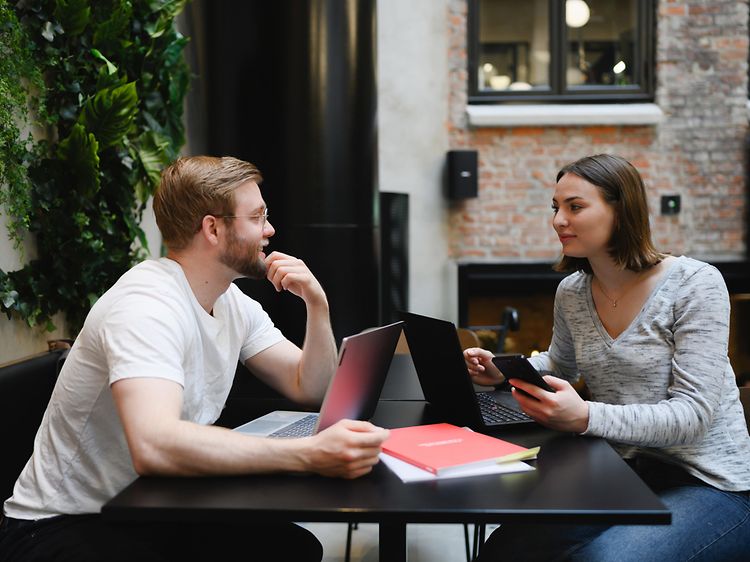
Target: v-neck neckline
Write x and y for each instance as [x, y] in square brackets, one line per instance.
[606, 336]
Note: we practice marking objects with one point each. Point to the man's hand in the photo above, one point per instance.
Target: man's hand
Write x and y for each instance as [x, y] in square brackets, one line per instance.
[288, 273]
[481, 368]
[301, 375]
[563, 410]
[347, 449]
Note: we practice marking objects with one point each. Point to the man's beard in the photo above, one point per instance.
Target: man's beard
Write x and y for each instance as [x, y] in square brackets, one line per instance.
[246, 263]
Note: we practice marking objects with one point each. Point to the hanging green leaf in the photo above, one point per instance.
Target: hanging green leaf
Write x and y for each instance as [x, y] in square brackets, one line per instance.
[151, 152]
[111, 30]
[110, 113]
[111, 68]
[79, 152]
[87, 190]
[73, 15]
[167, 10]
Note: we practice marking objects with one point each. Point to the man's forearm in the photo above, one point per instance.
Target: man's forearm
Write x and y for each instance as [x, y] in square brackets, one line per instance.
[318, 361]
[161, 443]
[189, 449]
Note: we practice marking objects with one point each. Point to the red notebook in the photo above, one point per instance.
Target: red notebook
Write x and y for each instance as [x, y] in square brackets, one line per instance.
[442, 447]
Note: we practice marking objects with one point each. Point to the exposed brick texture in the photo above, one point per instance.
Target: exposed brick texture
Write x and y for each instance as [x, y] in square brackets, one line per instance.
[698, 151]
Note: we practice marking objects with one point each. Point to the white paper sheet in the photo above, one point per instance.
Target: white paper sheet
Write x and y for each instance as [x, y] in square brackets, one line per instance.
[409, 473]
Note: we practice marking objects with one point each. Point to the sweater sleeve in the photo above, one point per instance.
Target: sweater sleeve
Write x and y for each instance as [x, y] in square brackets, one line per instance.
[699, 361]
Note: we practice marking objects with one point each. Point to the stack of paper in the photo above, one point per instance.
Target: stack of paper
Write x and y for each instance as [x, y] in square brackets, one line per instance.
[428, 452]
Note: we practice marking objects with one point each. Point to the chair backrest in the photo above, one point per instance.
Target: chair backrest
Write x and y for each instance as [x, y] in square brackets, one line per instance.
[745, 399]
[468, 338]
[25, 389]
[402, 346]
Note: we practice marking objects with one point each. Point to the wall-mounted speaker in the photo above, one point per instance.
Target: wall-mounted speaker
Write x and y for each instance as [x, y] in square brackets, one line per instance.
[463, 172]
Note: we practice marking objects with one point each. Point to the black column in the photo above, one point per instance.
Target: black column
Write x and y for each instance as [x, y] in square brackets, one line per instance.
[290, 86]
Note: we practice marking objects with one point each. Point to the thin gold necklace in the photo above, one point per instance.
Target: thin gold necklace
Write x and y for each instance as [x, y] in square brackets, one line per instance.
[610, 299]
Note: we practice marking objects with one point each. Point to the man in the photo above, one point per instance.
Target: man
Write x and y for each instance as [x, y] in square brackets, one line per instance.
[151, 370]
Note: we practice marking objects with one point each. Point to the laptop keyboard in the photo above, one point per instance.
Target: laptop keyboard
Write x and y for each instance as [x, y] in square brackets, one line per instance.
[493, 413]
[301, 428]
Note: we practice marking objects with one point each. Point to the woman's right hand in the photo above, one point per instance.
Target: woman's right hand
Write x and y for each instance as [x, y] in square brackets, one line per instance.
[481, 368]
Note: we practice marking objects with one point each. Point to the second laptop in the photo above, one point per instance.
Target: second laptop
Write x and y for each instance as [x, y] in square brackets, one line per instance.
[446, 384]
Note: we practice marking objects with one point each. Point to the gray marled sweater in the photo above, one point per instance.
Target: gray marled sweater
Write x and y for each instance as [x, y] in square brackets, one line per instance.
[664, 387]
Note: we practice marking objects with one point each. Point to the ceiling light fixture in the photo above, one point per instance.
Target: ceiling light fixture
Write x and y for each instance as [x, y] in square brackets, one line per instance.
[577, 13]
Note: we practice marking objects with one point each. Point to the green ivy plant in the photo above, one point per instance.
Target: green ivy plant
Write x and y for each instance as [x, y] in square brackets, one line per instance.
[114, 85]
[19, 75]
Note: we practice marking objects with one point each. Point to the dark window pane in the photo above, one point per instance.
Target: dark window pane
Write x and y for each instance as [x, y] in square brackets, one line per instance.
[513, 45]
[565, 51]
[601, 42]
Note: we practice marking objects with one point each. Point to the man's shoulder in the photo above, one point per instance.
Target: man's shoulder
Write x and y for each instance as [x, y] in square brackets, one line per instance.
[148, 277]
[153, 270]
[148, 288]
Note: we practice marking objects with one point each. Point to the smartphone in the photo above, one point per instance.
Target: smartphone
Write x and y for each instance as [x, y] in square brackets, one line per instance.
[518, 367]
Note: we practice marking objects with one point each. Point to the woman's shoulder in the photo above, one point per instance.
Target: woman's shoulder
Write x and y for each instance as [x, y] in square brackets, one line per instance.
[684, 268]
[688, 277]
[574, 282]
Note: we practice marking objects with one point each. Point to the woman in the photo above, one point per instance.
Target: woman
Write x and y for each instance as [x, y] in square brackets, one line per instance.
[648, 332]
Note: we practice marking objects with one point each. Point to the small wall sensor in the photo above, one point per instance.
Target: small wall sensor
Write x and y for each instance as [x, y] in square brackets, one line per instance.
[670, 204]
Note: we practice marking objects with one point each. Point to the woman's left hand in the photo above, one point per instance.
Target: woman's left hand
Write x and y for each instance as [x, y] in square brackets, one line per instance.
[563, 410]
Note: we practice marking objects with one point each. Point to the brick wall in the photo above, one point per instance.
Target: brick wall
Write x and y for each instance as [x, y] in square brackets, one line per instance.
[698, 151]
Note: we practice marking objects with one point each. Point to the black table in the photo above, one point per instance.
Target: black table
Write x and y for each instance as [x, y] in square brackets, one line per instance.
[578, 480]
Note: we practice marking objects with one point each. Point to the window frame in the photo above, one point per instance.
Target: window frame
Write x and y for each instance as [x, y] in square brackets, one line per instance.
[642, 91]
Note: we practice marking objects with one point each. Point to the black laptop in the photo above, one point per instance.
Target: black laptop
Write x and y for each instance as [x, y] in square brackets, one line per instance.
[446, 384]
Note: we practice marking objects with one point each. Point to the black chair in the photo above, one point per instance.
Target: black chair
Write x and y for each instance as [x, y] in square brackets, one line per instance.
[509, 322]
[25, 389]
[745, 400]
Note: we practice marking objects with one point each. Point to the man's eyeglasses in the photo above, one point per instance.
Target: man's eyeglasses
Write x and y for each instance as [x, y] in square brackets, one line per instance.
[257, 218]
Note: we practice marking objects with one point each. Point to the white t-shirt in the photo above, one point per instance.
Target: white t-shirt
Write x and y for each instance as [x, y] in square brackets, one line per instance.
[149, 324]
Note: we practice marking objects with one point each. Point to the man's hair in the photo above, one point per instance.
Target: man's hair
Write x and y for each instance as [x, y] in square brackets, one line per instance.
[621, 186]
[194, 187]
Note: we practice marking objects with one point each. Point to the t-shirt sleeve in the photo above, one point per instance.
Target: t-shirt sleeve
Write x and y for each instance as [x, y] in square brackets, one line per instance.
[143, 336]
[261, 332]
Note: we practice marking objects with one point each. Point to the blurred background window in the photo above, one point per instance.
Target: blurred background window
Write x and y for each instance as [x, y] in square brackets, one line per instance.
[560, 50]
